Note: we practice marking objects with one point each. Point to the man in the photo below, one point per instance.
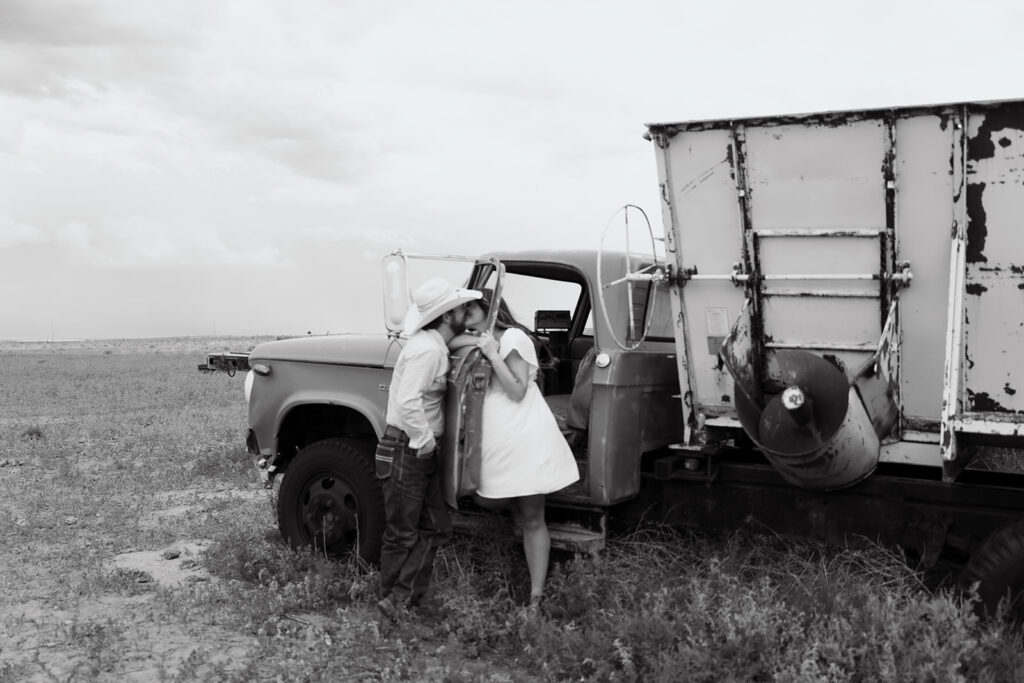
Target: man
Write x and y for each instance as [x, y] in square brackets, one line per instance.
[418, 520]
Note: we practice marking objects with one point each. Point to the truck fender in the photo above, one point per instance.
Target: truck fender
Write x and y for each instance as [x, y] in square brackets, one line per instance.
[371, 412]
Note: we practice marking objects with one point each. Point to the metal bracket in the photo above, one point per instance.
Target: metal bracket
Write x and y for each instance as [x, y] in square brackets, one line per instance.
[693, 463]
[738, 277]
[903, 275]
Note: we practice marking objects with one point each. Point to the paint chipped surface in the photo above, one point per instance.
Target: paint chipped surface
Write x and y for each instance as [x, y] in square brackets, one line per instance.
[792, 196]
[994, 283]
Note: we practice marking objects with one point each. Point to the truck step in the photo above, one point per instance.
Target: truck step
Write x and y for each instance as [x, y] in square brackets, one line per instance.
[571, 536]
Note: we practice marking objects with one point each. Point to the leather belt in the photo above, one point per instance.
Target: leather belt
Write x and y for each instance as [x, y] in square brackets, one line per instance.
[396, 434]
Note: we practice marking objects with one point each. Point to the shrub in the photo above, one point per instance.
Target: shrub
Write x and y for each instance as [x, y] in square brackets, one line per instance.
[33, 433]
[661, 605]
[303, 578]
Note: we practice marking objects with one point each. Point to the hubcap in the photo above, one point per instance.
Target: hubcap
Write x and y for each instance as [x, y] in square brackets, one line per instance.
[330, 514]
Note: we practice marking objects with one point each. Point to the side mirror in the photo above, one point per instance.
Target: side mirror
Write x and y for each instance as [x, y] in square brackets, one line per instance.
[396, 291]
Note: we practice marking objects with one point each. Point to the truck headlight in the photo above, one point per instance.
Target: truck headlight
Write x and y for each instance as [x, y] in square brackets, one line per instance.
[249, 376]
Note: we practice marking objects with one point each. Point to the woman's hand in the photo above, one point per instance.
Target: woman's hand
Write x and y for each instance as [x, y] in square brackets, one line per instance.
[488, 345]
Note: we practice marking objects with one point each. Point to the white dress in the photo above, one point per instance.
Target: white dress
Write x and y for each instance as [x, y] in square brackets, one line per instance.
[523, 452]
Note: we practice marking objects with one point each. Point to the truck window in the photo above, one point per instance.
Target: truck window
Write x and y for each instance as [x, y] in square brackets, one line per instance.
[525, 295]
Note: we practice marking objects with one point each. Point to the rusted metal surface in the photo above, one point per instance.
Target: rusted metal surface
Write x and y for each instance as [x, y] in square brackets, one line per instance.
[468, 378]
[835, 217]
[737, 355]
[994, 278]
[684, 356]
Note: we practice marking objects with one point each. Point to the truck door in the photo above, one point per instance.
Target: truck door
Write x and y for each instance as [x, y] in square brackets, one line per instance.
[468, 376]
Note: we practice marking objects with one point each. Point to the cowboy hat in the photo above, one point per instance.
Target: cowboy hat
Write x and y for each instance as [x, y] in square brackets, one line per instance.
[434, 298]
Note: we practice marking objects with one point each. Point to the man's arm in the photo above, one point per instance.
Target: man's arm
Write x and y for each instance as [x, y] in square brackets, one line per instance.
[417, 378]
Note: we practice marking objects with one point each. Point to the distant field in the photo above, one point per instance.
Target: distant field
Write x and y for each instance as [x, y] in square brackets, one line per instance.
[139, 545]
[175, 345]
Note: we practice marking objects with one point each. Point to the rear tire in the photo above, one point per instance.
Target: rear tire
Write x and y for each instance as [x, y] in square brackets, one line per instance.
[331, 500]
[998, 569]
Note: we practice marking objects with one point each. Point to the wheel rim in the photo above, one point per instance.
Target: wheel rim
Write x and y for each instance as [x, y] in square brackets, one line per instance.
[329, 512]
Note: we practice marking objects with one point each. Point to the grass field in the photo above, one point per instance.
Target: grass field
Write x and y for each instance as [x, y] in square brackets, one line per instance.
[138, 545]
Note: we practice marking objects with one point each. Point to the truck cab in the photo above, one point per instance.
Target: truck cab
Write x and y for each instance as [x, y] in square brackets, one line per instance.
[614, 405]
[317, 404]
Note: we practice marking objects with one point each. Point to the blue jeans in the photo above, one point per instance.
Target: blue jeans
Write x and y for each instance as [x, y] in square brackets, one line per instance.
[418, 522]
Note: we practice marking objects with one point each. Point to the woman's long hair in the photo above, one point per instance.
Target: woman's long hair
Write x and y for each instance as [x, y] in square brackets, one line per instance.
[505, 320]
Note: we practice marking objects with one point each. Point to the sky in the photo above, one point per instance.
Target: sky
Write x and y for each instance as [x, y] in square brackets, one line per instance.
[240, 167]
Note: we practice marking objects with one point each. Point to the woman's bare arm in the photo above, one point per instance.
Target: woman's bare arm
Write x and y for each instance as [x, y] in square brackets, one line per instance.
[461, 341]
[512, 372]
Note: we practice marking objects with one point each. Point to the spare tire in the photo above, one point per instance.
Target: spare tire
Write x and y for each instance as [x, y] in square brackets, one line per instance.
[997, 567]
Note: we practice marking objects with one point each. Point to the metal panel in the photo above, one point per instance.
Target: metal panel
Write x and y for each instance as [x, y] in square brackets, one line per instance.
[995, 346]
[994, 373]
[710, 239]
[713, 307]
[818, 223]
[925, 190]
[837, 322]
[816, 176]
[831, 256]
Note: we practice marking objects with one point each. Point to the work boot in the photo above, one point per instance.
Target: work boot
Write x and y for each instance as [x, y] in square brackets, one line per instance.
[389, 610]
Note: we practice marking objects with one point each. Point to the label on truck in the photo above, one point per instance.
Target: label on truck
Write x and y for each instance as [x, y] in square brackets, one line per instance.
[717, 320]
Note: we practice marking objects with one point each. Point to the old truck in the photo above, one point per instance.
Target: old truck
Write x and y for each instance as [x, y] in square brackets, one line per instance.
[828, 344]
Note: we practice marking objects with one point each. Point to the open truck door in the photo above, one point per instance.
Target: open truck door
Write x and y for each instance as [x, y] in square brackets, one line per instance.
[468, 377]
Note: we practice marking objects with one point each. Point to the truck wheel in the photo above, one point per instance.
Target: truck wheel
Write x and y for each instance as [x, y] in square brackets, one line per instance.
[330, 499]
[998, 568]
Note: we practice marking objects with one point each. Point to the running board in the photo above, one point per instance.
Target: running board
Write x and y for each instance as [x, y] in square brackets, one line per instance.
[572, 535]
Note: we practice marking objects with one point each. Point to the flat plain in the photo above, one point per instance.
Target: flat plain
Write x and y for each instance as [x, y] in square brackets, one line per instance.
[138, 544]
[112, 453]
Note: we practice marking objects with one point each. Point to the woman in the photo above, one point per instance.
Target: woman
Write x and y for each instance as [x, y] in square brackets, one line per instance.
[524, 455]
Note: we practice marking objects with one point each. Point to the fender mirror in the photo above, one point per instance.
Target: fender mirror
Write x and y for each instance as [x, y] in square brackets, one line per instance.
[396, 291]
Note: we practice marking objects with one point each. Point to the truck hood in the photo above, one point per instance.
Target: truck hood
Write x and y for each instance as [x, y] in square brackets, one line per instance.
[342, 349]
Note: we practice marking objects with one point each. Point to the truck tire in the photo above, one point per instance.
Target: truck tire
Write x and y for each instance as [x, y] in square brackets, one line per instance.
[330, 499]
[997, 566]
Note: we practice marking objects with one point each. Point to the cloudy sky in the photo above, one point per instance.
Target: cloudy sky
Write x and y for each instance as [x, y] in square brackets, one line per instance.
[240, 166]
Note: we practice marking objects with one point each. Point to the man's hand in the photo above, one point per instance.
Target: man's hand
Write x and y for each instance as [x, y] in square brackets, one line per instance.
[426, 449]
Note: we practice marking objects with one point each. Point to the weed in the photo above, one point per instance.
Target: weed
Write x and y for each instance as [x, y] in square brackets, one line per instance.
[301, 579]
[32, 433]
